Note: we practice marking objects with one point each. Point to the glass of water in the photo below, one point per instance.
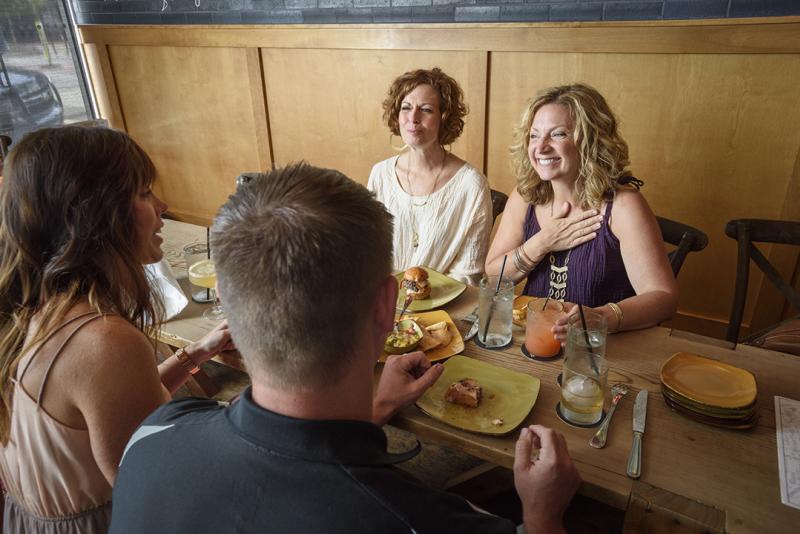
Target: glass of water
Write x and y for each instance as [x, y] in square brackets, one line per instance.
[495, 307]
[585, 373]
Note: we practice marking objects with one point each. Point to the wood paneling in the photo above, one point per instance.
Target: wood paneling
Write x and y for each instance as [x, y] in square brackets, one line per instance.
[704, 105]
[197, 113]
[774, 35]
[704, 134]
[331, 115]
[105, 89]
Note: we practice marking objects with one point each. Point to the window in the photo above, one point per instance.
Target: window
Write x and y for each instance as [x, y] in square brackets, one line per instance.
[41, 79]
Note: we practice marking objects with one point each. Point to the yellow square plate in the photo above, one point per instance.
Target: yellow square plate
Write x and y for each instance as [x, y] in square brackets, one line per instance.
[507, 395]
[456, 344]
[443, 290]
[709, 382]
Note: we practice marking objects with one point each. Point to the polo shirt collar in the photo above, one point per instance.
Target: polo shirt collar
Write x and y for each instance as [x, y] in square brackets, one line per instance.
[330, 441]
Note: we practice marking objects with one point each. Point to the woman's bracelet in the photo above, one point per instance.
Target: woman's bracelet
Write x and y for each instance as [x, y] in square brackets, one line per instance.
[522, 262]
[526, 257]
[186, 362]
[618, 312]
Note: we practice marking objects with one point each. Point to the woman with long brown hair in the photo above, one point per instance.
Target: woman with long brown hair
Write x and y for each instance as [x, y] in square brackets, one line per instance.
[77, 222]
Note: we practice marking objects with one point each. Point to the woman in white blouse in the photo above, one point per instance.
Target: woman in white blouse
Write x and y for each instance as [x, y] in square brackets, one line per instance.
[441, 205]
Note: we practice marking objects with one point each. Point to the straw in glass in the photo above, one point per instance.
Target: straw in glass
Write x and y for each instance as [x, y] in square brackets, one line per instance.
[496, 291]
[588, 343]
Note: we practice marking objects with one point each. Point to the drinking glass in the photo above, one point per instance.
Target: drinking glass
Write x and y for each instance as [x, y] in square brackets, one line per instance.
[193, 254]
[585, 372]
[495, 311]
[542, 315]
[204, 274]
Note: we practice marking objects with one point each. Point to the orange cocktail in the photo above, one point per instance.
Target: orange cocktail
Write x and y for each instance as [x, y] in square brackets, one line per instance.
[542, 315]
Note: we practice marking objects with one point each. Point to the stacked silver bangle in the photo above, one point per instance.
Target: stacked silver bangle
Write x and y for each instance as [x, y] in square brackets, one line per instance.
[522, 262]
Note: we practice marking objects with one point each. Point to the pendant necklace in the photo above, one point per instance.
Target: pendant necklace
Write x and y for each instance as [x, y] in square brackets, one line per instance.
[412, 204]
[558, 278]
[558, 275]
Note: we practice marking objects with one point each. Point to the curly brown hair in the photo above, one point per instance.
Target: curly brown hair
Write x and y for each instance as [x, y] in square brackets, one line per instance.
[451, 101]
[66, 221]
[603, 152]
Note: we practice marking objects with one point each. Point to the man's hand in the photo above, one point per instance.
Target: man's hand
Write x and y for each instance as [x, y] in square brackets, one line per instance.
[404, 379]
[545, 481]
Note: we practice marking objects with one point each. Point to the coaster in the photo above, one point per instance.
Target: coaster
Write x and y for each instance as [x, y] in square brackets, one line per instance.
[541, 358]
[501, 347]
[576, 425]
[203, 296]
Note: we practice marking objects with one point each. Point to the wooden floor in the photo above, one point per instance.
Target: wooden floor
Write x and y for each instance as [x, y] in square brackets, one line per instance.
[441, 468]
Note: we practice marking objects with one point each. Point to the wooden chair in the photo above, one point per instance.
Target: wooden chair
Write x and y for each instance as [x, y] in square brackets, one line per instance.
[498, 203]
[683, 236]
[747, 232]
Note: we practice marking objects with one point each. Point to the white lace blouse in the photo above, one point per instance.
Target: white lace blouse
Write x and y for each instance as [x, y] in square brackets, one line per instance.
[453, 227]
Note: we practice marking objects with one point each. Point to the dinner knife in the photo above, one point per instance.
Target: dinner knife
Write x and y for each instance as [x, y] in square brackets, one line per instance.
[639, 415]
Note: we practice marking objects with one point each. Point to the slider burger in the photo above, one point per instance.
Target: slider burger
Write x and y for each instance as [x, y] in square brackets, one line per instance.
[415, 282]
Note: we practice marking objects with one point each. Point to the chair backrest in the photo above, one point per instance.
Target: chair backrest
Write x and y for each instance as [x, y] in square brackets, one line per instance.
[498, 203]
[749, 231]
[686, 238]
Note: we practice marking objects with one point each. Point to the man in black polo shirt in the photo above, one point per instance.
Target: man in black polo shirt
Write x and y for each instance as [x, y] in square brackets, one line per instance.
[303, 260]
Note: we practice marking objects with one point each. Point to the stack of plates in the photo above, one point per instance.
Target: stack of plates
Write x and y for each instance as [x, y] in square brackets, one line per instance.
[710, 392]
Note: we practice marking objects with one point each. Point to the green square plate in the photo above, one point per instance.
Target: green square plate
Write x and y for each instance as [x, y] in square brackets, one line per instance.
[507, 395]
[443, 290]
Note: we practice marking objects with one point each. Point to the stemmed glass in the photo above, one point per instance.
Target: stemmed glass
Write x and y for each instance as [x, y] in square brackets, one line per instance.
[204, 274]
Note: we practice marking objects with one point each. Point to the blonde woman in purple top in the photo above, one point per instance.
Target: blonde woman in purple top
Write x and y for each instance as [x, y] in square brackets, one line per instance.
[576, 226]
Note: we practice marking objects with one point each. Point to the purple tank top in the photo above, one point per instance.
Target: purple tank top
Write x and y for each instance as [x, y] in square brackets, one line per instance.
[596, 274]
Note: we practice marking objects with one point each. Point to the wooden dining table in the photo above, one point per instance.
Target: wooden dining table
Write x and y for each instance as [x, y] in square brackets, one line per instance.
[695, 477]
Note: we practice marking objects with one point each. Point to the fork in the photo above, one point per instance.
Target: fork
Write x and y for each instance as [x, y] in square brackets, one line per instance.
[618, 391]
[406, 304]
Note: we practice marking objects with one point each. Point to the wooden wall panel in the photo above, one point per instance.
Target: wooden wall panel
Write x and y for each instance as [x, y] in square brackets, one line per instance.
[708, 108]
[704, 133]
[196, 112]
[326, 104]
[105, 89]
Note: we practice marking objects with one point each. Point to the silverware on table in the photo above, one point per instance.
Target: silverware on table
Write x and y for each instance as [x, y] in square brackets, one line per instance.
[598, 441]
[406, 304]
[639, 415]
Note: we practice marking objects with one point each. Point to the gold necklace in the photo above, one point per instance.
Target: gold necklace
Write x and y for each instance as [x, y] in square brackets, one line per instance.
[435, 181]
[412, 204]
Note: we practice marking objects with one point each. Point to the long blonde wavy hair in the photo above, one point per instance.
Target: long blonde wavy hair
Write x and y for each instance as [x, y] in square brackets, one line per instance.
[603, 153]
[66, 234]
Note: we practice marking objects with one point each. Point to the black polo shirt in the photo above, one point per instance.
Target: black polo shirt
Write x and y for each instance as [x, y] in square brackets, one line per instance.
[196, 466]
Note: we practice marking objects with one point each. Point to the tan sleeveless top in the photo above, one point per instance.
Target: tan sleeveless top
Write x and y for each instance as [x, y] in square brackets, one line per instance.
[54, 484]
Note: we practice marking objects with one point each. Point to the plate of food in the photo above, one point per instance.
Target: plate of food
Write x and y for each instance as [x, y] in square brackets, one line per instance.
[480, 397]
[429, 289]
[433, 332]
